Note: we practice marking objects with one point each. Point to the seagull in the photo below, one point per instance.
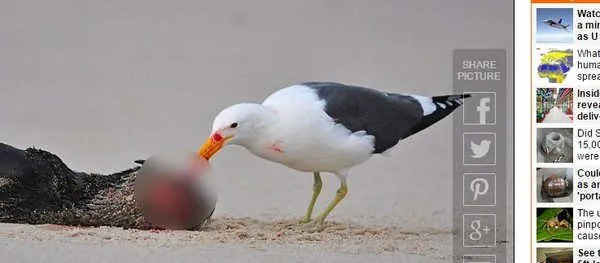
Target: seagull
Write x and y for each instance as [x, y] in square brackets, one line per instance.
[325, 127]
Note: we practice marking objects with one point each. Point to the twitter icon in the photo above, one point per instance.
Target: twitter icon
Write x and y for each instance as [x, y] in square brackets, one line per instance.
[479, 148]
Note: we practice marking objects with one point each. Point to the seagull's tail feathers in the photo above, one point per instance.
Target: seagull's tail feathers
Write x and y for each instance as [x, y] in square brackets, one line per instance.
[444, 105]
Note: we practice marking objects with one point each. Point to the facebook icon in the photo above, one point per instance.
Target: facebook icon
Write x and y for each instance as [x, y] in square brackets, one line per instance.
[480, 109]
[483, 108]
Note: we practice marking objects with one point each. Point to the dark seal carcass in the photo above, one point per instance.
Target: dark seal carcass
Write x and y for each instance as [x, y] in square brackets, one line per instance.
[36, 187]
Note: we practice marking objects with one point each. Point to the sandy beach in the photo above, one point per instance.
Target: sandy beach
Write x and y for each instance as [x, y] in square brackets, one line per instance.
[104, 83]
[226, 239]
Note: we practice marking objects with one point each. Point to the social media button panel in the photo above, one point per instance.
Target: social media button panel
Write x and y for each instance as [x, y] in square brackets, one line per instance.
[480, 171]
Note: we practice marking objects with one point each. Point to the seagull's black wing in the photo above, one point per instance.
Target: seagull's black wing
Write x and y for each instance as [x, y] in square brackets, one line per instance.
[389, 117]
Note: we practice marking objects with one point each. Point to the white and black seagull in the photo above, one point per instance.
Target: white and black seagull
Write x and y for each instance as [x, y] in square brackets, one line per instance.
[325, 127]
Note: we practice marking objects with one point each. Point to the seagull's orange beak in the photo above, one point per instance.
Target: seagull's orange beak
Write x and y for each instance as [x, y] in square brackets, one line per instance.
[212, 145]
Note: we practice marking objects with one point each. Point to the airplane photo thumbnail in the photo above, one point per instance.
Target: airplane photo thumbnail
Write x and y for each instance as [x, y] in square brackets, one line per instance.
[554, 25]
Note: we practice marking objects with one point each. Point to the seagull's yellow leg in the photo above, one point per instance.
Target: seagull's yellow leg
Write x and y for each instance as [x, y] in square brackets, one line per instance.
[340, 194]
[317, 185]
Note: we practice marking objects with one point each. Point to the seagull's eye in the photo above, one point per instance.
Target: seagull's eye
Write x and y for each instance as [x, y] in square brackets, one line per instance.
[233, 125]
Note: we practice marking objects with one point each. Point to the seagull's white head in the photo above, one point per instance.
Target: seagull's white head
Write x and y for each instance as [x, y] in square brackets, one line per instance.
[238, 124]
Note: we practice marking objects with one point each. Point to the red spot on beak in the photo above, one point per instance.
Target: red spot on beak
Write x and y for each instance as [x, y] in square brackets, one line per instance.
[217, 137]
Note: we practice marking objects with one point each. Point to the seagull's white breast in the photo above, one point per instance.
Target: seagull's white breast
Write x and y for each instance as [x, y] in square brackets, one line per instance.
[308, 138]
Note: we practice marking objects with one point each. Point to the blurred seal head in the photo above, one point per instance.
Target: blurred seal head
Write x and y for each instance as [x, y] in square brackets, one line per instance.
[176, 191]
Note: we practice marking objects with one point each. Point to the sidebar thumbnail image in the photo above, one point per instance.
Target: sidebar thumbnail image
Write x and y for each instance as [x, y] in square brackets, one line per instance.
[554, 185]
[554, 255]
[554, 105]
[554, 25]
[554, 145]
[554, 225]
[553, 65]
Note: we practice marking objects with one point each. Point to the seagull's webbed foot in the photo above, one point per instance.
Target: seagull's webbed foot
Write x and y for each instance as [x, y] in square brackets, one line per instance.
[304, 220]
[317, 185]
[313, 226]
